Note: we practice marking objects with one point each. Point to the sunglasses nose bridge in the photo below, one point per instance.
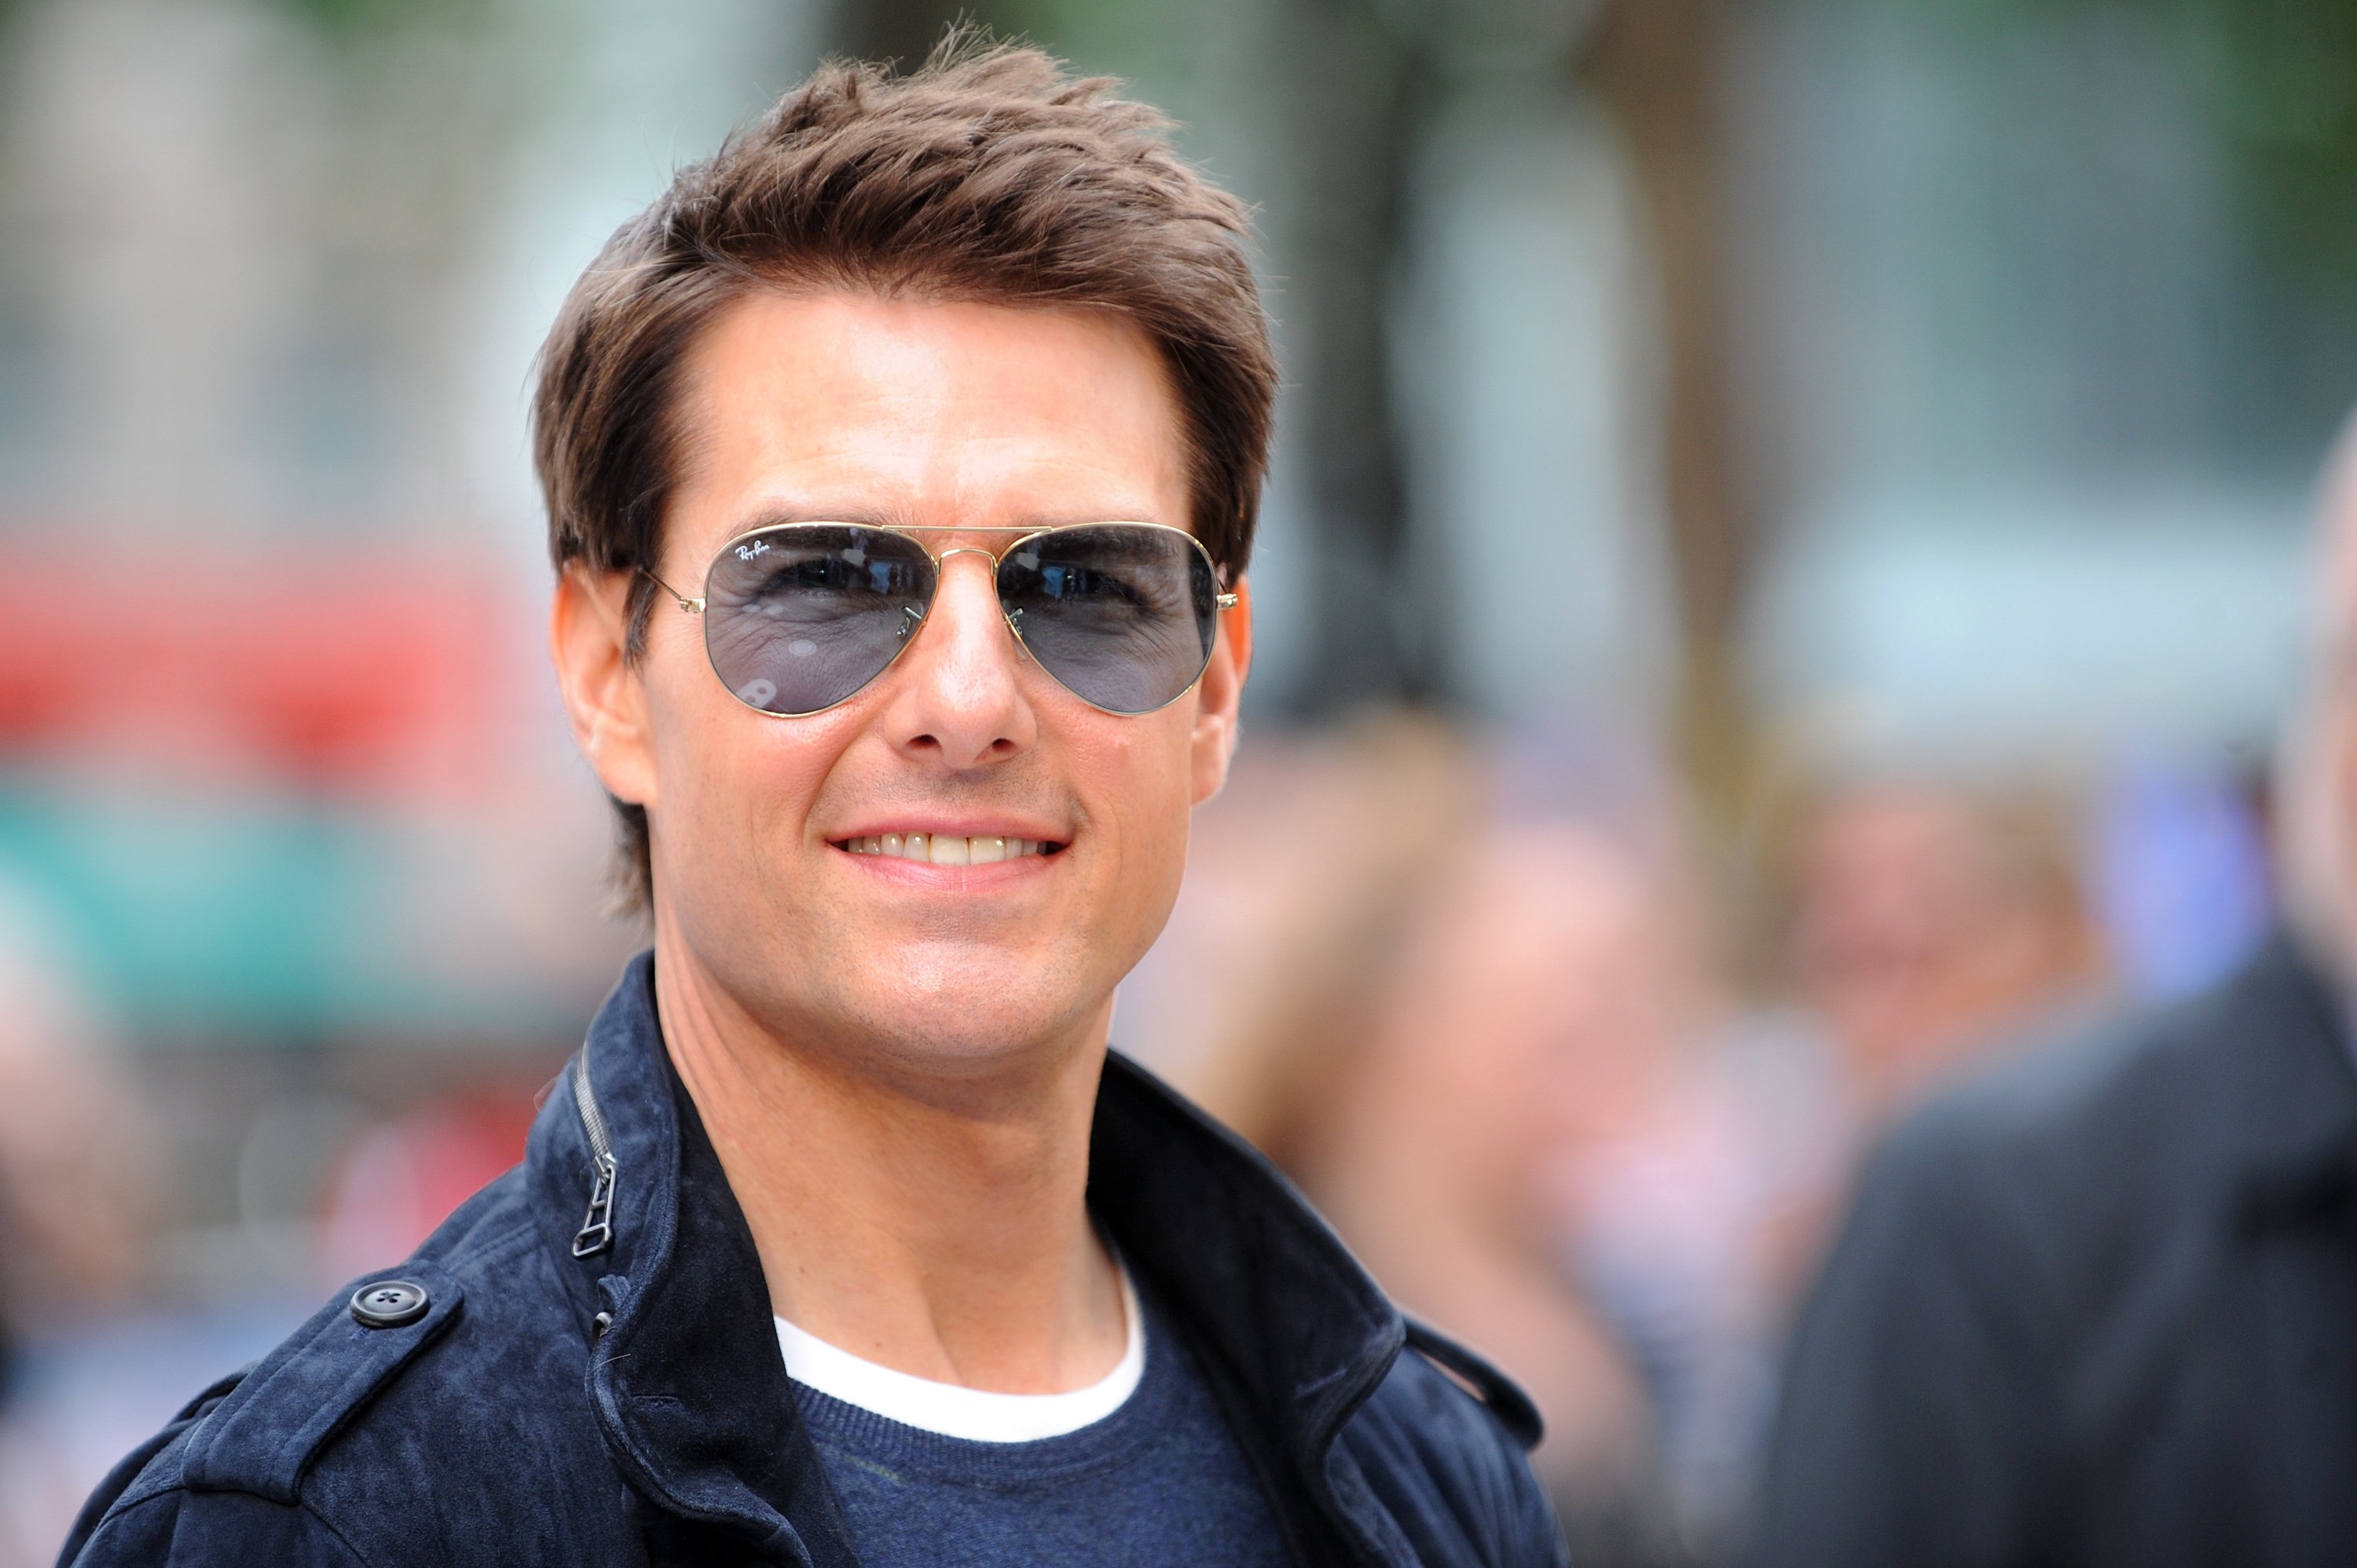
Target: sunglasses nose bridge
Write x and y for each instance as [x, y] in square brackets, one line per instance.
[942, 560]
[1012, 617]
[942, 564]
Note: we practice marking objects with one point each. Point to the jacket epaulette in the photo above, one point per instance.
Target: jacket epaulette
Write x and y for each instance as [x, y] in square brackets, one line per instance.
[1484, 1382]
[266, 1431]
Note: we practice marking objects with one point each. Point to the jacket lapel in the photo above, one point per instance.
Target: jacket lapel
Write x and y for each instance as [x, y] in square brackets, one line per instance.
[1292, 1332]
[687, 1381]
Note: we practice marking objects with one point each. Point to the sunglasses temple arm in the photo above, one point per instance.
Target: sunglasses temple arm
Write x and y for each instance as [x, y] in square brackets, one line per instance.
[692, 606]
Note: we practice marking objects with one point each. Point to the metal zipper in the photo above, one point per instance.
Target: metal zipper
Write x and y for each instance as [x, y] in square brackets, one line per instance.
[597, 1232]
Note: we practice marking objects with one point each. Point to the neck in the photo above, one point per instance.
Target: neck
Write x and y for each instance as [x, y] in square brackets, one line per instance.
[936, 1227]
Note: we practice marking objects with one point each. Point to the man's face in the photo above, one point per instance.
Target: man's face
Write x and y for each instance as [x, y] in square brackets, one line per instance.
[838, 405]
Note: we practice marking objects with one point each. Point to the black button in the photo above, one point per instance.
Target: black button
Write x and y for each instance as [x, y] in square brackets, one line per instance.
[388, 1304]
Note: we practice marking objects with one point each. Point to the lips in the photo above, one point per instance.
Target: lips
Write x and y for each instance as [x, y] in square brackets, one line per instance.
[948, 849]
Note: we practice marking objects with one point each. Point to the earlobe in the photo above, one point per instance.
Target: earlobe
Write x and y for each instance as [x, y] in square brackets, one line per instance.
[605, 701]
[1220, 694]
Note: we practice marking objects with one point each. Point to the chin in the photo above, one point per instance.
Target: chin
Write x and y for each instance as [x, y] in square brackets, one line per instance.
[950, 1047]
[970, 1023]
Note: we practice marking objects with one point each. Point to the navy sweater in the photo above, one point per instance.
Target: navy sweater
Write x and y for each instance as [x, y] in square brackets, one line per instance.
[1158, 1481]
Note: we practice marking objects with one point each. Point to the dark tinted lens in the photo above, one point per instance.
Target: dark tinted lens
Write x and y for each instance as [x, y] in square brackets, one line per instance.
[799, 617]
[1121, 614]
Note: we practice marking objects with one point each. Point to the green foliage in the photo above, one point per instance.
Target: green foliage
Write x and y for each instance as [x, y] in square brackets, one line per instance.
[1092, 33]
[2279, 81]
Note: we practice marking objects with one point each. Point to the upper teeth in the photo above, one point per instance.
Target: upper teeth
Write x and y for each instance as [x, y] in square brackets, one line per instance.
[945, 849]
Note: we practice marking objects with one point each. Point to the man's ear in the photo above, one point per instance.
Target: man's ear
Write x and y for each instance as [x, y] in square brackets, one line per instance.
[1219, 693]
[589, 639]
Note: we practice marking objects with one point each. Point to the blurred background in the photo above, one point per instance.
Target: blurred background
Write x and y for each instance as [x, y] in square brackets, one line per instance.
[1785, 550]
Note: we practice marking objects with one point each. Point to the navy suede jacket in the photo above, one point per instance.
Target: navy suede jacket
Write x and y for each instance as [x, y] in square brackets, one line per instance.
[584, 1372]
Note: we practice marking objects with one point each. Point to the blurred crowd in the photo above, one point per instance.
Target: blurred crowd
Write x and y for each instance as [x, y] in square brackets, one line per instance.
[1583, 1087]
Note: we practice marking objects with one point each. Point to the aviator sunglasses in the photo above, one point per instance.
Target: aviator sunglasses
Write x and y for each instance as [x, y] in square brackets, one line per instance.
[799, 617]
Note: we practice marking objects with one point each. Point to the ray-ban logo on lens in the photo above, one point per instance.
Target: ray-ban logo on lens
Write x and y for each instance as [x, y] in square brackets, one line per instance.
[746, 552]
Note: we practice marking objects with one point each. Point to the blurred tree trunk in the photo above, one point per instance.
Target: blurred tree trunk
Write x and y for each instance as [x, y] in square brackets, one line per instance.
[1354, 124]
[1656, 65]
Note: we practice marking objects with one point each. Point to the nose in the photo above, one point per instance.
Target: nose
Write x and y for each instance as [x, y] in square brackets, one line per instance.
[957, 697]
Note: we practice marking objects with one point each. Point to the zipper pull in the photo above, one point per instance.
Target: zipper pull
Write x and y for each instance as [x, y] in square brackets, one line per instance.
[597, 1232]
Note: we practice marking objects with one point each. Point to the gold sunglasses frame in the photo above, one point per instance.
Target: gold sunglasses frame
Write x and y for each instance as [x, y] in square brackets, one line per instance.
[1223, 600]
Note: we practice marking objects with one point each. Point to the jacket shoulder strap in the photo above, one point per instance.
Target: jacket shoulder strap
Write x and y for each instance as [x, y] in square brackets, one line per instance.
[266, 1432]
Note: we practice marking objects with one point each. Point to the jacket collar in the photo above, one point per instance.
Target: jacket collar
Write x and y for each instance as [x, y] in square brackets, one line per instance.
[686, 1378]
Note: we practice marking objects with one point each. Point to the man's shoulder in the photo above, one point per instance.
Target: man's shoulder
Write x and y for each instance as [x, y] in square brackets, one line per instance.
[2050, 1103]
[406, 1418]
[1439, 1448]
[2059, 1174]
[2139, 1100]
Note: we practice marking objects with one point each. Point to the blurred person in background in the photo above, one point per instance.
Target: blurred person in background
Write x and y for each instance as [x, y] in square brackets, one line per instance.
[79, 1204]
[2095, 1306]
[79, 1208]
[1931, 922]
[1302, 879]
[1523, 1014]
[843, 1240]
[1486, 1039]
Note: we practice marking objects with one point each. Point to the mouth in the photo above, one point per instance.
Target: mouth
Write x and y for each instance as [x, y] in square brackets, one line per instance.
[949, 849]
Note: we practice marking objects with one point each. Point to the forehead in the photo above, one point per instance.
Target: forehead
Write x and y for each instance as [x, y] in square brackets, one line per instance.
[927, 412]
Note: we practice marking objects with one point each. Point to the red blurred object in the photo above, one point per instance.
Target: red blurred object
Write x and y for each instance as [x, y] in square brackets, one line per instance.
[328, 669]
[400, 1178]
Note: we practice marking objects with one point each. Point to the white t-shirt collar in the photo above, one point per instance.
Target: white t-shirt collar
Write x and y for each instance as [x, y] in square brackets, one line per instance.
[953, 1411]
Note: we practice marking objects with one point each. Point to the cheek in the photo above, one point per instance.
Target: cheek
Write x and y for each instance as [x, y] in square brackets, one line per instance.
[1140, 784]
[730, 780]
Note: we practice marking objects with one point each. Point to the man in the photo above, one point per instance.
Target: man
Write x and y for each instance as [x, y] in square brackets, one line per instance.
[901, 466]
[2101, 1306]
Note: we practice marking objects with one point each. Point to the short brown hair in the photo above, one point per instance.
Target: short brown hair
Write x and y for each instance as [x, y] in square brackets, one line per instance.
[989, 175]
